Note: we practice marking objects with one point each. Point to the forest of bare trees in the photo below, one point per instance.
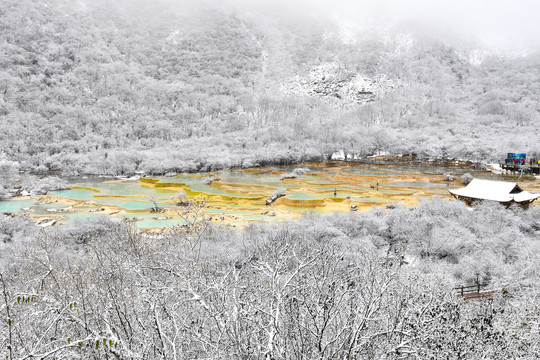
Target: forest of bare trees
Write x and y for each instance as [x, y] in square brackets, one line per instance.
[359, 285]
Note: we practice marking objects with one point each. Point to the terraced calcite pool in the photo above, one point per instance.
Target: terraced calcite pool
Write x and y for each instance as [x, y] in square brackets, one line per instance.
[239, 196]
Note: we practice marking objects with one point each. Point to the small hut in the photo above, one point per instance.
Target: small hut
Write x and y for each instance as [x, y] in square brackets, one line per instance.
[506, 193]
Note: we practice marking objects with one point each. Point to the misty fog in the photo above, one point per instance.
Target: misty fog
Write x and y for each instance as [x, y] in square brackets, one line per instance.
[510, 25]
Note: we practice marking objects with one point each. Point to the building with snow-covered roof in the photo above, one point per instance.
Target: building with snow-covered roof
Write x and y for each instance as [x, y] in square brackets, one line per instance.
[506, 193]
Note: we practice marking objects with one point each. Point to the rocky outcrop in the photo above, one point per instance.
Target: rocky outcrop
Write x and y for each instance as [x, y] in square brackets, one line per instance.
[334, 80]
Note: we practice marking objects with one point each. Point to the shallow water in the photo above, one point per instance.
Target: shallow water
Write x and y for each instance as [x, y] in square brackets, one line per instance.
[15, 206]
[238, 197]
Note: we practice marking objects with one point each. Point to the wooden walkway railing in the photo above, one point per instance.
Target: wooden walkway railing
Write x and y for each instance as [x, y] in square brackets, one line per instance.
[533, 168]
[474, 292]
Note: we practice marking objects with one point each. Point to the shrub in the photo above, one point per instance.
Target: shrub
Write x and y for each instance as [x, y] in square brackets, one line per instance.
[43, 186]
[466, 178]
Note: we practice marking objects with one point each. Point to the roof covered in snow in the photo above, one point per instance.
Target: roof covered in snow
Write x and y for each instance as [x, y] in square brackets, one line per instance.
[501, 191]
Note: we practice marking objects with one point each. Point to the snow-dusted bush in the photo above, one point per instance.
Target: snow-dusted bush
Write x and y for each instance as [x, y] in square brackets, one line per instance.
[209, 180]
[4, 193]
[42, 186]
[288, 176]
[13, 227]
[180, 198]
[300, 171]
[295, 173]
[8, 173]
[15, 234]
[466, 178]
[279, 192]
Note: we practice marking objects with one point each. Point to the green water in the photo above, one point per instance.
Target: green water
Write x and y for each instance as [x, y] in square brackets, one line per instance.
[77, 194]
[414, 184]
[239, 196]
[15, 206]
[48, 208]
[128, 204]
[303, 196]
[71, 217]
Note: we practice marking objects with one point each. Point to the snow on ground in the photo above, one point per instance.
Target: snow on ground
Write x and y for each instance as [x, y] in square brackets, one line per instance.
[495, 168]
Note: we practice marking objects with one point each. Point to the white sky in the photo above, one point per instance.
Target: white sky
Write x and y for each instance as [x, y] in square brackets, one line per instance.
[496, 22]
[500, 23]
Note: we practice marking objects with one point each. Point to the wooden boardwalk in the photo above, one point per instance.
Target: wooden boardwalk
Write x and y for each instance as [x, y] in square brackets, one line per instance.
[474, 292]
[534, 168]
